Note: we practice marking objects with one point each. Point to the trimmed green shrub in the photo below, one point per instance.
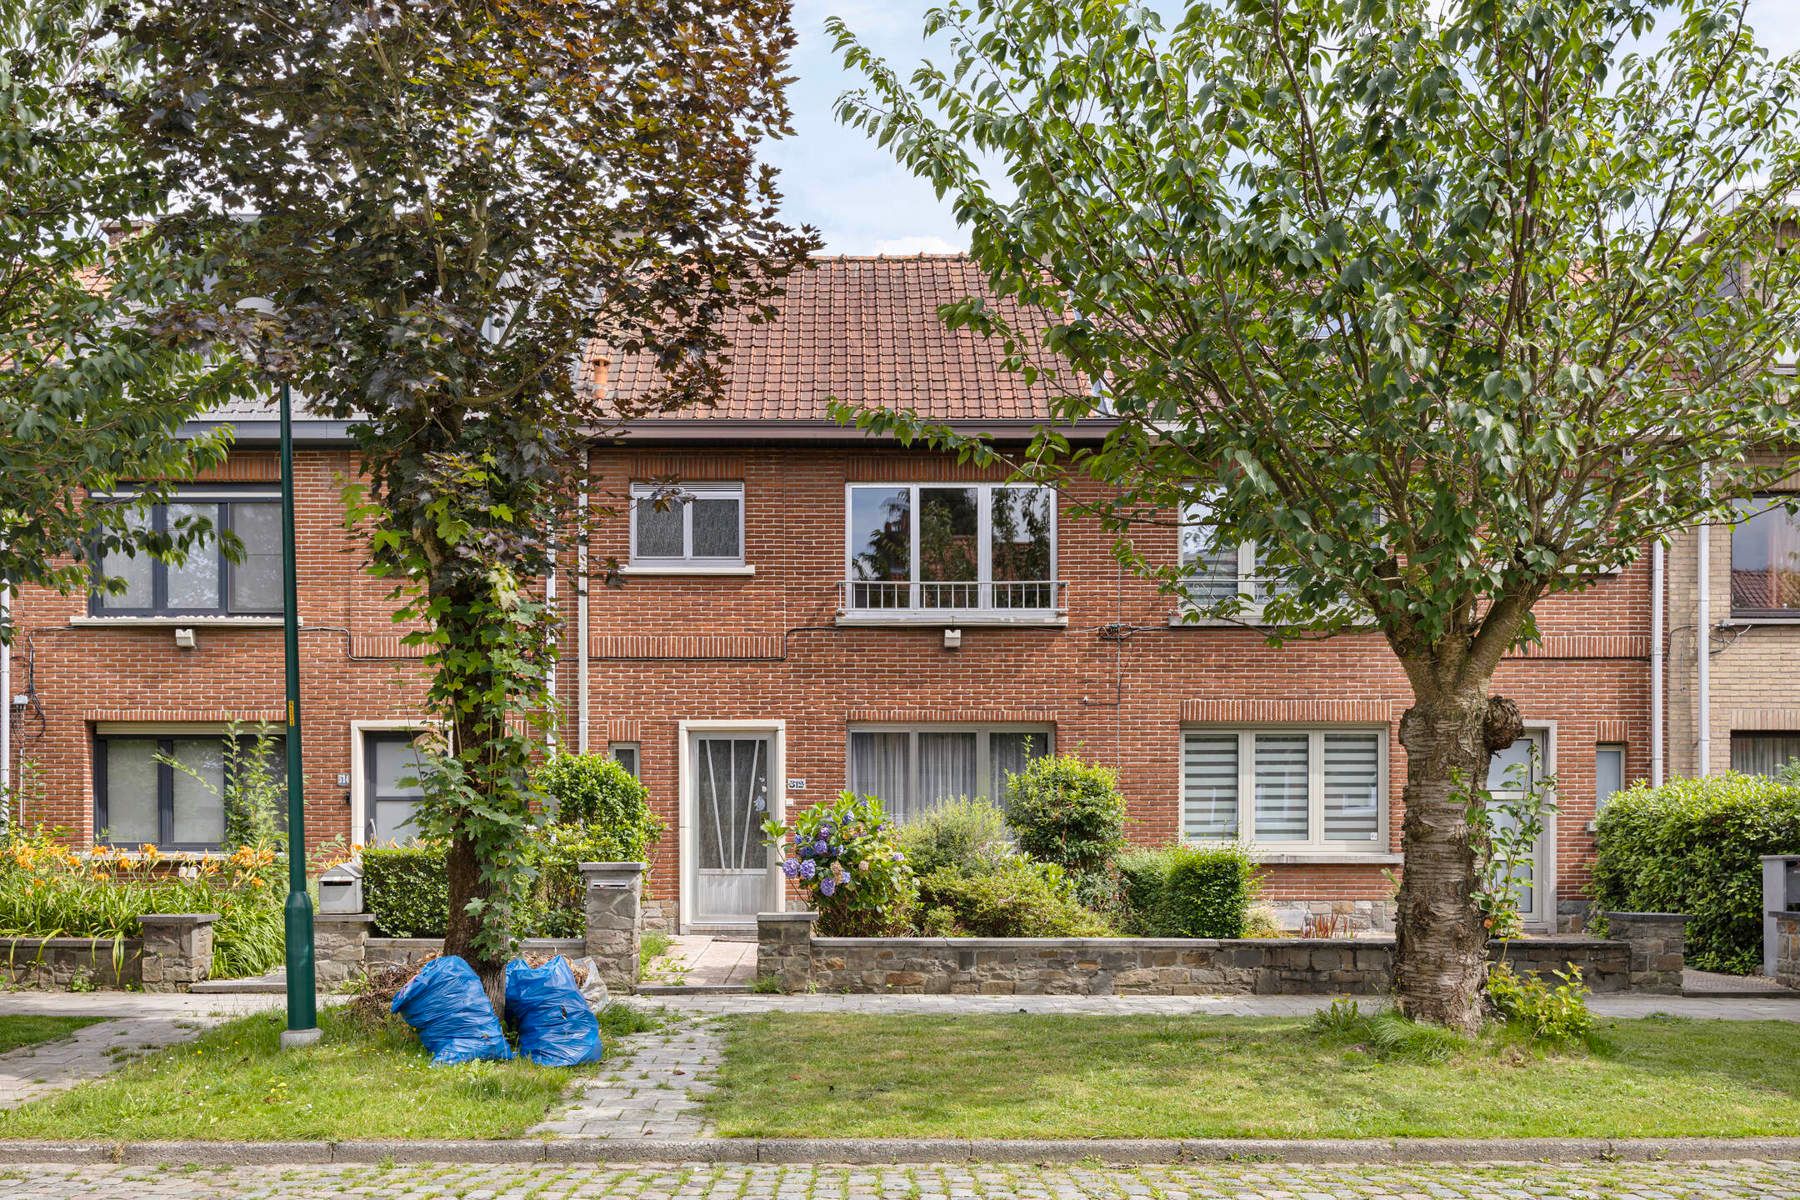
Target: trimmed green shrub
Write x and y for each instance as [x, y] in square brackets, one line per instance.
[406, 890]
[599, 812]
[962, 835]
[1694, 846]
[1015, 898]
[1069, 812]
[609, 803]
[1187, 890]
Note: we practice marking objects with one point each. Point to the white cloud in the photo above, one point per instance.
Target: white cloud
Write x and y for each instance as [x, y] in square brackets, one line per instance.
[918, 244]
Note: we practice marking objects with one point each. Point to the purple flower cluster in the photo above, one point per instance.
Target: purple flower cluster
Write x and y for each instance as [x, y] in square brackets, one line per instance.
[816, 858]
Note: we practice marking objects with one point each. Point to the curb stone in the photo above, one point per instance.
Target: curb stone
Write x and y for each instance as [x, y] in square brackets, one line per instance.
[876, 1151]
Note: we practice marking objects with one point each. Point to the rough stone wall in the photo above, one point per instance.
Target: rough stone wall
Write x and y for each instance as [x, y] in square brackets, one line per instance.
[410, 952]
[178, 950]
[1787, 949]
[1128, 966]
[614, 920]
[57, 962]
[1658, 949]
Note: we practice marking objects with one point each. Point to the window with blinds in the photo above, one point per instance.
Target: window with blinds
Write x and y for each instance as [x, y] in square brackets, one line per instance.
[1293, 788]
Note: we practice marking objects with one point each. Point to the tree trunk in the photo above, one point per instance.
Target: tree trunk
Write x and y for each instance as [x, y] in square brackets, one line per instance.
[462, 875]
[1441, 943]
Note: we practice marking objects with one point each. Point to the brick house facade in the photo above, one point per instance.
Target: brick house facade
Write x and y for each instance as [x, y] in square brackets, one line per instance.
[790, 659]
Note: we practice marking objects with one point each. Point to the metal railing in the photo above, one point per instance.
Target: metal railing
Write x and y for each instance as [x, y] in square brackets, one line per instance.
[1037, 596]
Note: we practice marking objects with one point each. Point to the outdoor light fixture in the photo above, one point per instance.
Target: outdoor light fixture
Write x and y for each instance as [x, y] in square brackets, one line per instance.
[302, 984]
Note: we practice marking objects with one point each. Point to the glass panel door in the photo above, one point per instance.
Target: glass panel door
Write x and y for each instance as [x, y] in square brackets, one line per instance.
[391, 788]
[731, 799]
[1513, 769]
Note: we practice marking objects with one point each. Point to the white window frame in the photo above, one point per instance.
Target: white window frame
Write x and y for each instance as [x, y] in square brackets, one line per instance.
[636, 750]
[1601, 749]
[682, 495]
[1315, 842]
[984, 569]
[984, 755]
[359, 768]
[1248, 579]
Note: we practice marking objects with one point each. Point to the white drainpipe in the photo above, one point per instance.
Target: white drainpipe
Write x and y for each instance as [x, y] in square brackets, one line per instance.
[6, 707]
[556, 655]
[1656, 663]
[581, 605]
[1703, 654]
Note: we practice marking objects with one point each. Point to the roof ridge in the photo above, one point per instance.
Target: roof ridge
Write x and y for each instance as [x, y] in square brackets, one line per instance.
[944, 255]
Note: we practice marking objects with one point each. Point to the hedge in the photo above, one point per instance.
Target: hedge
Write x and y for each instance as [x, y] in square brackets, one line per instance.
[1187, 891]
[406, 890]
[1695, 846]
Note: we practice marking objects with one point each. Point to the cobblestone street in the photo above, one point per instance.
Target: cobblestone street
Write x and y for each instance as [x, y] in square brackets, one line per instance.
[1623, 1181]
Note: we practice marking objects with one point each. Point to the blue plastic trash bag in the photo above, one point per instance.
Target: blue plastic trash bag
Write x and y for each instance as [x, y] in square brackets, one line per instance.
[556, 1027]
[449, 1008]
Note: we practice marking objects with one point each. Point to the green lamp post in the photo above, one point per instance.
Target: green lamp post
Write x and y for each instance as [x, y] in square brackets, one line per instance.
[302, 984]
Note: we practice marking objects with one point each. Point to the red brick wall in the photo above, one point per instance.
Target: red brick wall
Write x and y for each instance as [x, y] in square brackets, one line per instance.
[83, 675]
[766, 647]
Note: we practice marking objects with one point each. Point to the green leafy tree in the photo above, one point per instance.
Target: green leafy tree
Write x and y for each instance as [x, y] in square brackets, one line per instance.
[94, 380]
[445, 202]
[1446, 308]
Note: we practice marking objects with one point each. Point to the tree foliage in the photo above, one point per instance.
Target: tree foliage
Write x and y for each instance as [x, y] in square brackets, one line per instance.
[94, 377]
[1446, 308]
[447, 202]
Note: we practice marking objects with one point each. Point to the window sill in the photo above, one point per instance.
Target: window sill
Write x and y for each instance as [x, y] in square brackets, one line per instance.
[200, 622]
[646, 570]
[1325, 858]
[1734, 619]
[953, 618]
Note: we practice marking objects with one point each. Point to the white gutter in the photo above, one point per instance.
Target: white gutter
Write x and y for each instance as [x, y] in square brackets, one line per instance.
[581, 605]
[1656, 663]
[556, 655]
[1703, 654]
[6, 710]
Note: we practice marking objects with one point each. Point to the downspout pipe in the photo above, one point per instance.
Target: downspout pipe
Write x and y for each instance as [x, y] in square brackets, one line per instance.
[1703, 653]
[551, 615]
[6, 710]
[581, 604]
[1657, 665]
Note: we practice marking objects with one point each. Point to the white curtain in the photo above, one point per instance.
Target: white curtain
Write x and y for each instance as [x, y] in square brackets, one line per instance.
[947, 767]
[878, 768]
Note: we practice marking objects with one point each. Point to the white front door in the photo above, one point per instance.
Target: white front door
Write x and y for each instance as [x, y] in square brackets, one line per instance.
[1521, 764]
[730, 877]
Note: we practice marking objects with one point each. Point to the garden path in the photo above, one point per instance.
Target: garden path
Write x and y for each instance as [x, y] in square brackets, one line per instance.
[701, 960]
[1606, 1004]
[651, 1090]
[136, 1024]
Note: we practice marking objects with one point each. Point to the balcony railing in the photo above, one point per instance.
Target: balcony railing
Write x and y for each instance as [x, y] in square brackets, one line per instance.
[922, 600]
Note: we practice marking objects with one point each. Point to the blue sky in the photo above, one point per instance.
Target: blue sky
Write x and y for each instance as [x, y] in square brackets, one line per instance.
[836, 179]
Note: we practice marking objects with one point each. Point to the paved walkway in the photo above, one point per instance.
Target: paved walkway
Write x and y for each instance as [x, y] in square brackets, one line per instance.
[1624, 1005]
[137, 1024]
[652, 1090]
[1732, 1180]
[699, 960]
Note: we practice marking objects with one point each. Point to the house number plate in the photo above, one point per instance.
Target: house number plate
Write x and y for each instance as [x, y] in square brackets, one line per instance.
[796, 785]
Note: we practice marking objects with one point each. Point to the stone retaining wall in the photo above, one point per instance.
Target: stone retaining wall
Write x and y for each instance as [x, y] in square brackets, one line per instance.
[1787, 949]
[344, 949]
[789, 955]
[57, 962]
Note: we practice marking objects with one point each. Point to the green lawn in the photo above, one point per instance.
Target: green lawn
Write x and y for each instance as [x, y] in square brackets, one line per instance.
[26, 1031]
[360, 1081]
[811, 1075]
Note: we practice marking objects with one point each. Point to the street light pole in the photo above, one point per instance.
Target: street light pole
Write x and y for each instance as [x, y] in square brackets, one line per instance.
[302, 984]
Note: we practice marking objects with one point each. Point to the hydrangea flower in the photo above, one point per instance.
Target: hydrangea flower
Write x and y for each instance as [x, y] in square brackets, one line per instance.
[827, 886]
[808, 869]
[822, 847]
[790, 868]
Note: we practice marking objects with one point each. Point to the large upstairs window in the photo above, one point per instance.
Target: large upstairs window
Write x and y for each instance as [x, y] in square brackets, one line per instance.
[699, 526]
[935, 550]
[915, 769]
[206, 583]
[1765, 560]
[1214, 570]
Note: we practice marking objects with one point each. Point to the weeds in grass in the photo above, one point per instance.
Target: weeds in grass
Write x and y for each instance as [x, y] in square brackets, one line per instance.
[622, 1020]
[1387, 1035]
